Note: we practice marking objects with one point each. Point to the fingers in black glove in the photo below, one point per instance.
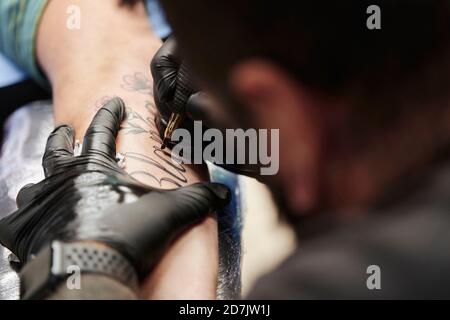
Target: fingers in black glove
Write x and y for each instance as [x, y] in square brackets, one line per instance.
[164, 68]
[25, 195]
[101, 135]
[171, 76]
[59, 145]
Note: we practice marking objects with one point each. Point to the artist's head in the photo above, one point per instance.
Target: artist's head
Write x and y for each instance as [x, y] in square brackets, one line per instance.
[357, 109]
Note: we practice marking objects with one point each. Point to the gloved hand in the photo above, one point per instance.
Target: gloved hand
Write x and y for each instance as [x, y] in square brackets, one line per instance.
[165, 68]
[89, 197]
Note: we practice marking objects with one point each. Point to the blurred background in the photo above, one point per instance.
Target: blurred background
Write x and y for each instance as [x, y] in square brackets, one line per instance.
[16, 90]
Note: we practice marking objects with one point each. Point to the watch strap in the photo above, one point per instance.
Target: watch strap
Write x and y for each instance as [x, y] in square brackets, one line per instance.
[59, 260]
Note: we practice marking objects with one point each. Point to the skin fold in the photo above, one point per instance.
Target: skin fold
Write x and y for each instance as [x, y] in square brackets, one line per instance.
[109, 56]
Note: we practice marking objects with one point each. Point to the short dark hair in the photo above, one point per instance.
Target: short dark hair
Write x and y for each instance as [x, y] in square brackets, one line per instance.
[323, 43]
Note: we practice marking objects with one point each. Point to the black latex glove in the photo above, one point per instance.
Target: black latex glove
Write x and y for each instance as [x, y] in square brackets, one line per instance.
[165, 68]
[90, 197]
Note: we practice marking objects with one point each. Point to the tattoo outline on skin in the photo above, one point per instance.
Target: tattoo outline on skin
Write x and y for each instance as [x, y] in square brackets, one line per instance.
[174, 172]
[137, 124]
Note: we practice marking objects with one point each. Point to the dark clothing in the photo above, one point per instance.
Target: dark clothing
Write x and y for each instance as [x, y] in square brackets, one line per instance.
[409, 240]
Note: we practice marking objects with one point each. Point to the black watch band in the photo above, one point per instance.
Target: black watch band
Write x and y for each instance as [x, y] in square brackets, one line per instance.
[59, 260]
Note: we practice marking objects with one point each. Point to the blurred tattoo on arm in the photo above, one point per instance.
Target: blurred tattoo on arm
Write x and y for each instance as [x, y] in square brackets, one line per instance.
[137, 82]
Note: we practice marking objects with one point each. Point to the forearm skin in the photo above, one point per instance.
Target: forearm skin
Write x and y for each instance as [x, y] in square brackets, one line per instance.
[109, 56]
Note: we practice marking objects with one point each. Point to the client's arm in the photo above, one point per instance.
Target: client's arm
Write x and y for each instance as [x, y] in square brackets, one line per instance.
[89, 214]
[109, 56]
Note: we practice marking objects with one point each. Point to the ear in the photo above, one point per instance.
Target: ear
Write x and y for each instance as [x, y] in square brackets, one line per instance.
[276, 100]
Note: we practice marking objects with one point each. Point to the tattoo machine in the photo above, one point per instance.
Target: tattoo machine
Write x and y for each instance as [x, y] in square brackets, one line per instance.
[183, 91]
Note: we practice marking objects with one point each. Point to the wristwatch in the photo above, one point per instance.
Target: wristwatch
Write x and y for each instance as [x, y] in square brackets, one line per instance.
[61, 260]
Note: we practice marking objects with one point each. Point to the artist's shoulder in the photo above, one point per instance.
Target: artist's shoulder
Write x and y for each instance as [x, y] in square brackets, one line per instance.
[401, 254]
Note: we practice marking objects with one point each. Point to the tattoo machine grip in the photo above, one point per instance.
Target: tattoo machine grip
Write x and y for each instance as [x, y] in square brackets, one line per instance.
[183, 91]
